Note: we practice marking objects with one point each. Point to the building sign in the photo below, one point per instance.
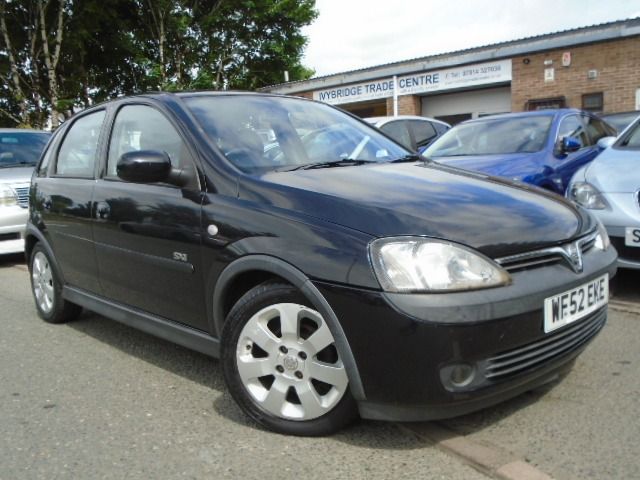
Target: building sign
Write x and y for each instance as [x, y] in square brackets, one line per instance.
[432, 81]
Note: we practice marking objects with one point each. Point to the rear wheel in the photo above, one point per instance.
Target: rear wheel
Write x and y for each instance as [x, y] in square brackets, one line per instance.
[281, 363]
[47, 289]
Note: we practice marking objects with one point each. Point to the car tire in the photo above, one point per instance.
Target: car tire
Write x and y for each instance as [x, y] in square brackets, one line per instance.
[47, 289]
[281, 364]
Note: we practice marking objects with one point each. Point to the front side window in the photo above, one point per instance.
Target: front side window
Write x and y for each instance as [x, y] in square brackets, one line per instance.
[423, 132]
[140, 127]
[77, 154]
[398, 131]
[571, 126]
[259, 134]
[493, 136]
[597, 129]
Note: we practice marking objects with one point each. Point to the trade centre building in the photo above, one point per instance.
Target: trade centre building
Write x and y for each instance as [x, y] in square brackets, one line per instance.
[596, 68]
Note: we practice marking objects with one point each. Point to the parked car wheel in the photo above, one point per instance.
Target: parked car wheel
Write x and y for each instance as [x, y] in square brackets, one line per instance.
[47, 290]
[281, 364]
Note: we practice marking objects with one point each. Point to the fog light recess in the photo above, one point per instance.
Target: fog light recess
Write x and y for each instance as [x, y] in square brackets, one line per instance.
[461, 375]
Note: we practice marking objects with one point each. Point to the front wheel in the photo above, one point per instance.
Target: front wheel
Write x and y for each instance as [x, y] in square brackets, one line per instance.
[281, 363]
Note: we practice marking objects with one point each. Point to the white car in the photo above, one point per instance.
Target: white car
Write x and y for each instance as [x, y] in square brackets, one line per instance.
[414, 133]
[610, 188]
[19, 153]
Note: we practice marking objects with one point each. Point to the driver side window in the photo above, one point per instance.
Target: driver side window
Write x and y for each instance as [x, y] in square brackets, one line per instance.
[139, 127]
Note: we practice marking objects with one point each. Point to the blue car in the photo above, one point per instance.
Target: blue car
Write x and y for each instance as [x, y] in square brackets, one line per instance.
[544, 148]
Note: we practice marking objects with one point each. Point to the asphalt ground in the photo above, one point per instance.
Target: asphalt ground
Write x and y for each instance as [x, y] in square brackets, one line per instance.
[96, 399]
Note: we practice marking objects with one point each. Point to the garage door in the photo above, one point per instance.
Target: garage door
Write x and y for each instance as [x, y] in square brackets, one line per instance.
[456, 107]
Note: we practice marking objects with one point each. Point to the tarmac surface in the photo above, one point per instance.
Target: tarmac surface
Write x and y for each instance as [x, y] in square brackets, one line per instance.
[96, 399]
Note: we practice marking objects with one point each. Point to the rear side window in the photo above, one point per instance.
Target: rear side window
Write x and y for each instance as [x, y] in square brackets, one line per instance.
[140, 127]
[399, 132]
[77, 154]
[571, 126]
[423, 132]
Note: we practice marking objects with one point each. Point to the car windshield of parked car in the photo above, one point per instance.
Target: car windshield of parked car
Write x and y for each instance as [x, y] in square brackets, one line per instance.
[21, 148]
[262, 133]
[493, 137]
[631, 139]
[620, 121]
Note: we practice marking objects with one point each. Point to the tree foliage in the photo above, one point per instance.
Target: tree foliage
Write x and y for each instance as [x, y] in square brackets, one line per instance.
[57, 56]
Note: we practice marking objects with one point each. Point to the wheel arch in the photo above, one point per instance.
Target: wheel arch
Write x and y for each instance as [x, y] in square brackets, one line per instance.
[33, 236]
[261, 268]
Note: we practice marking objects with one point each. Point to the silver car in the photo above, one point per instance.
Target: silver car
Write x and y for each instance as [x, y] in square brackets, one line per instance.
[415, 133]
[19, 152]
[610, 187]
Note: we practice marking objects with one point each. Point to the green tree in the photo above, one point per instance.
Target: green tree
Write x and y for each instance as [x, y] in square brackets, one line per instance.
[60, 55]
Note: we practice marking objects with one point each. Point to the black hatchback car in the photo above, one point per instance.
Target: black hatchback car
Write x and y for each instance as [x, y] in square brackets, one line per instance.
[337, 276]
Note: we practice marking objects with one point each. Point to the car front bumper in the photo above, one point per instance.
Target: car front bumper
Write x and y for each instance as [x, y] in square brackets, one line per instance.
[407, 346]
[13, 221]
[623, 211]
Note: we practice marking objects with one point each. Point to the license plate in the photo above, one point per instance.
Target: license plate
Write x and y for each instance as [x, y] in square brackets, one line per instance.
[574, 304]
[632, 237]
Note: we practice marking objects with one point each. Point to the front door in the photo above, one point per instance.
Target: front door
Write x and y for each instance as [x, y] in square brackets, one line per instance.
[148, 235]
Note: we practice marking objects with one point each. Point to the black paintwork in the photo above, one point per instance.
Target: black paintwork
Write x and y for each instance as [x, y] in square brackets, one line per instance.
[118, 241]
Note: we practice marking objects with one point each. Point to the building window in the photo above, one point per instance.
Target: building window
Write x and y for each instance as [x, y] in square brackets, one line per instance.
[593, 102]
[546, 103]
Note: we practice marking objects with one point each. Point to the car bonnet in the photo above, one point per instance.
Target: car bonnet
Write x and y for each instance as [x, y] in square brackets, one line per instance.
[383, 200]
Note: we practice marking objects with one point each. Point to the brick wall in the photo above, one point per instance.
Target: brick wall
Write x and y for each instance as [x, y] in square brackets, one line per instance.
[407, 105]
[617, 63]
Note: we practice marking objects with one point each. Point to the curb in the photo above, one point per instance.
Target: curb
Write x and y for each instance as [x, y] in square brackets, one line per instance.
[622, 306]
[490, 460]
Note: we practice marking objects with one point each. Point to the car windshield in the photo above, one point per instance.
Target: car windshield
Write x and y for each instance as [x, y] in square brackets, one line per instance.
[264, 133]
[631, 138]
[21, 148]
[493, 137]
[620, 121]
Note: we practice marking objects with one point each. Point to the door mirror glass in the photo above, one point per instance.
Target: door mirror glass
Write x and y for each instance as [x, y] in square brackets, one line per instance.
[144, 166]
[570, 144]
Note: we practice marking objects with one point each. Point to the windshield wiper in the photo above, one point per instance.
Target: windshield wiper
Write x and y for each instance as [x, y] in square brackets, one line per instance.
[343, 162]
[17, 164]
[412, 157]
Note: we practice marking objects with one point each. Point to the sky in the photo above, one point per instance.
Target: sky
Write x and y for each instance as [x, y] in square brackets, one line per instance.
[353, 34]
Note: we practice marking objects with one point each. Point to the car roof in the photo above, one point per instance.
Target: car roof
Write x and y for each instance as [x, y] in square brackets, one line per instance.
[535, 113]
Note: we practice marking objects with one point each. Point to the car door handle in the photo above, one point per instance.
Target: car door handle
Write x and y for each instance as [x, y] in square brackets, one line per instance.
[102, 211]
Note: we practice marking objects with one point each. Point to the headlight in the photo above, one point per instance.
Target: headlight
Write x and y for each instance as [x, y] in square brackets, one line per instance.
[587, 195]
[7, 196]
[602, 239]
[417, 264]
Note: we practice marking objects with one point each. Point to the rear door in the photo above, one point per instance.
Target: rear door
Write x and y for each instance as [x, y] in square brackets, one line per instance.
[148, 235]
[63, 198]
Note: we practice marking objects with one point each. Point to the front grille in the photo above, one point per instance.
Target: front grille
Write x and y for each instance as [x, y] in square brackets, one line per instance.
[624, 252]
[551, 347]
[23, 196]
[547, 256]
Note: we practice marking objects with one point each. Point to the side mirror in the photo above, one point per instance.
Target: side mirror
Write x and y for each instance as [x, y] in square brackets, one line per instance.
[570, 144]
[606, 142]
[144, 166]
